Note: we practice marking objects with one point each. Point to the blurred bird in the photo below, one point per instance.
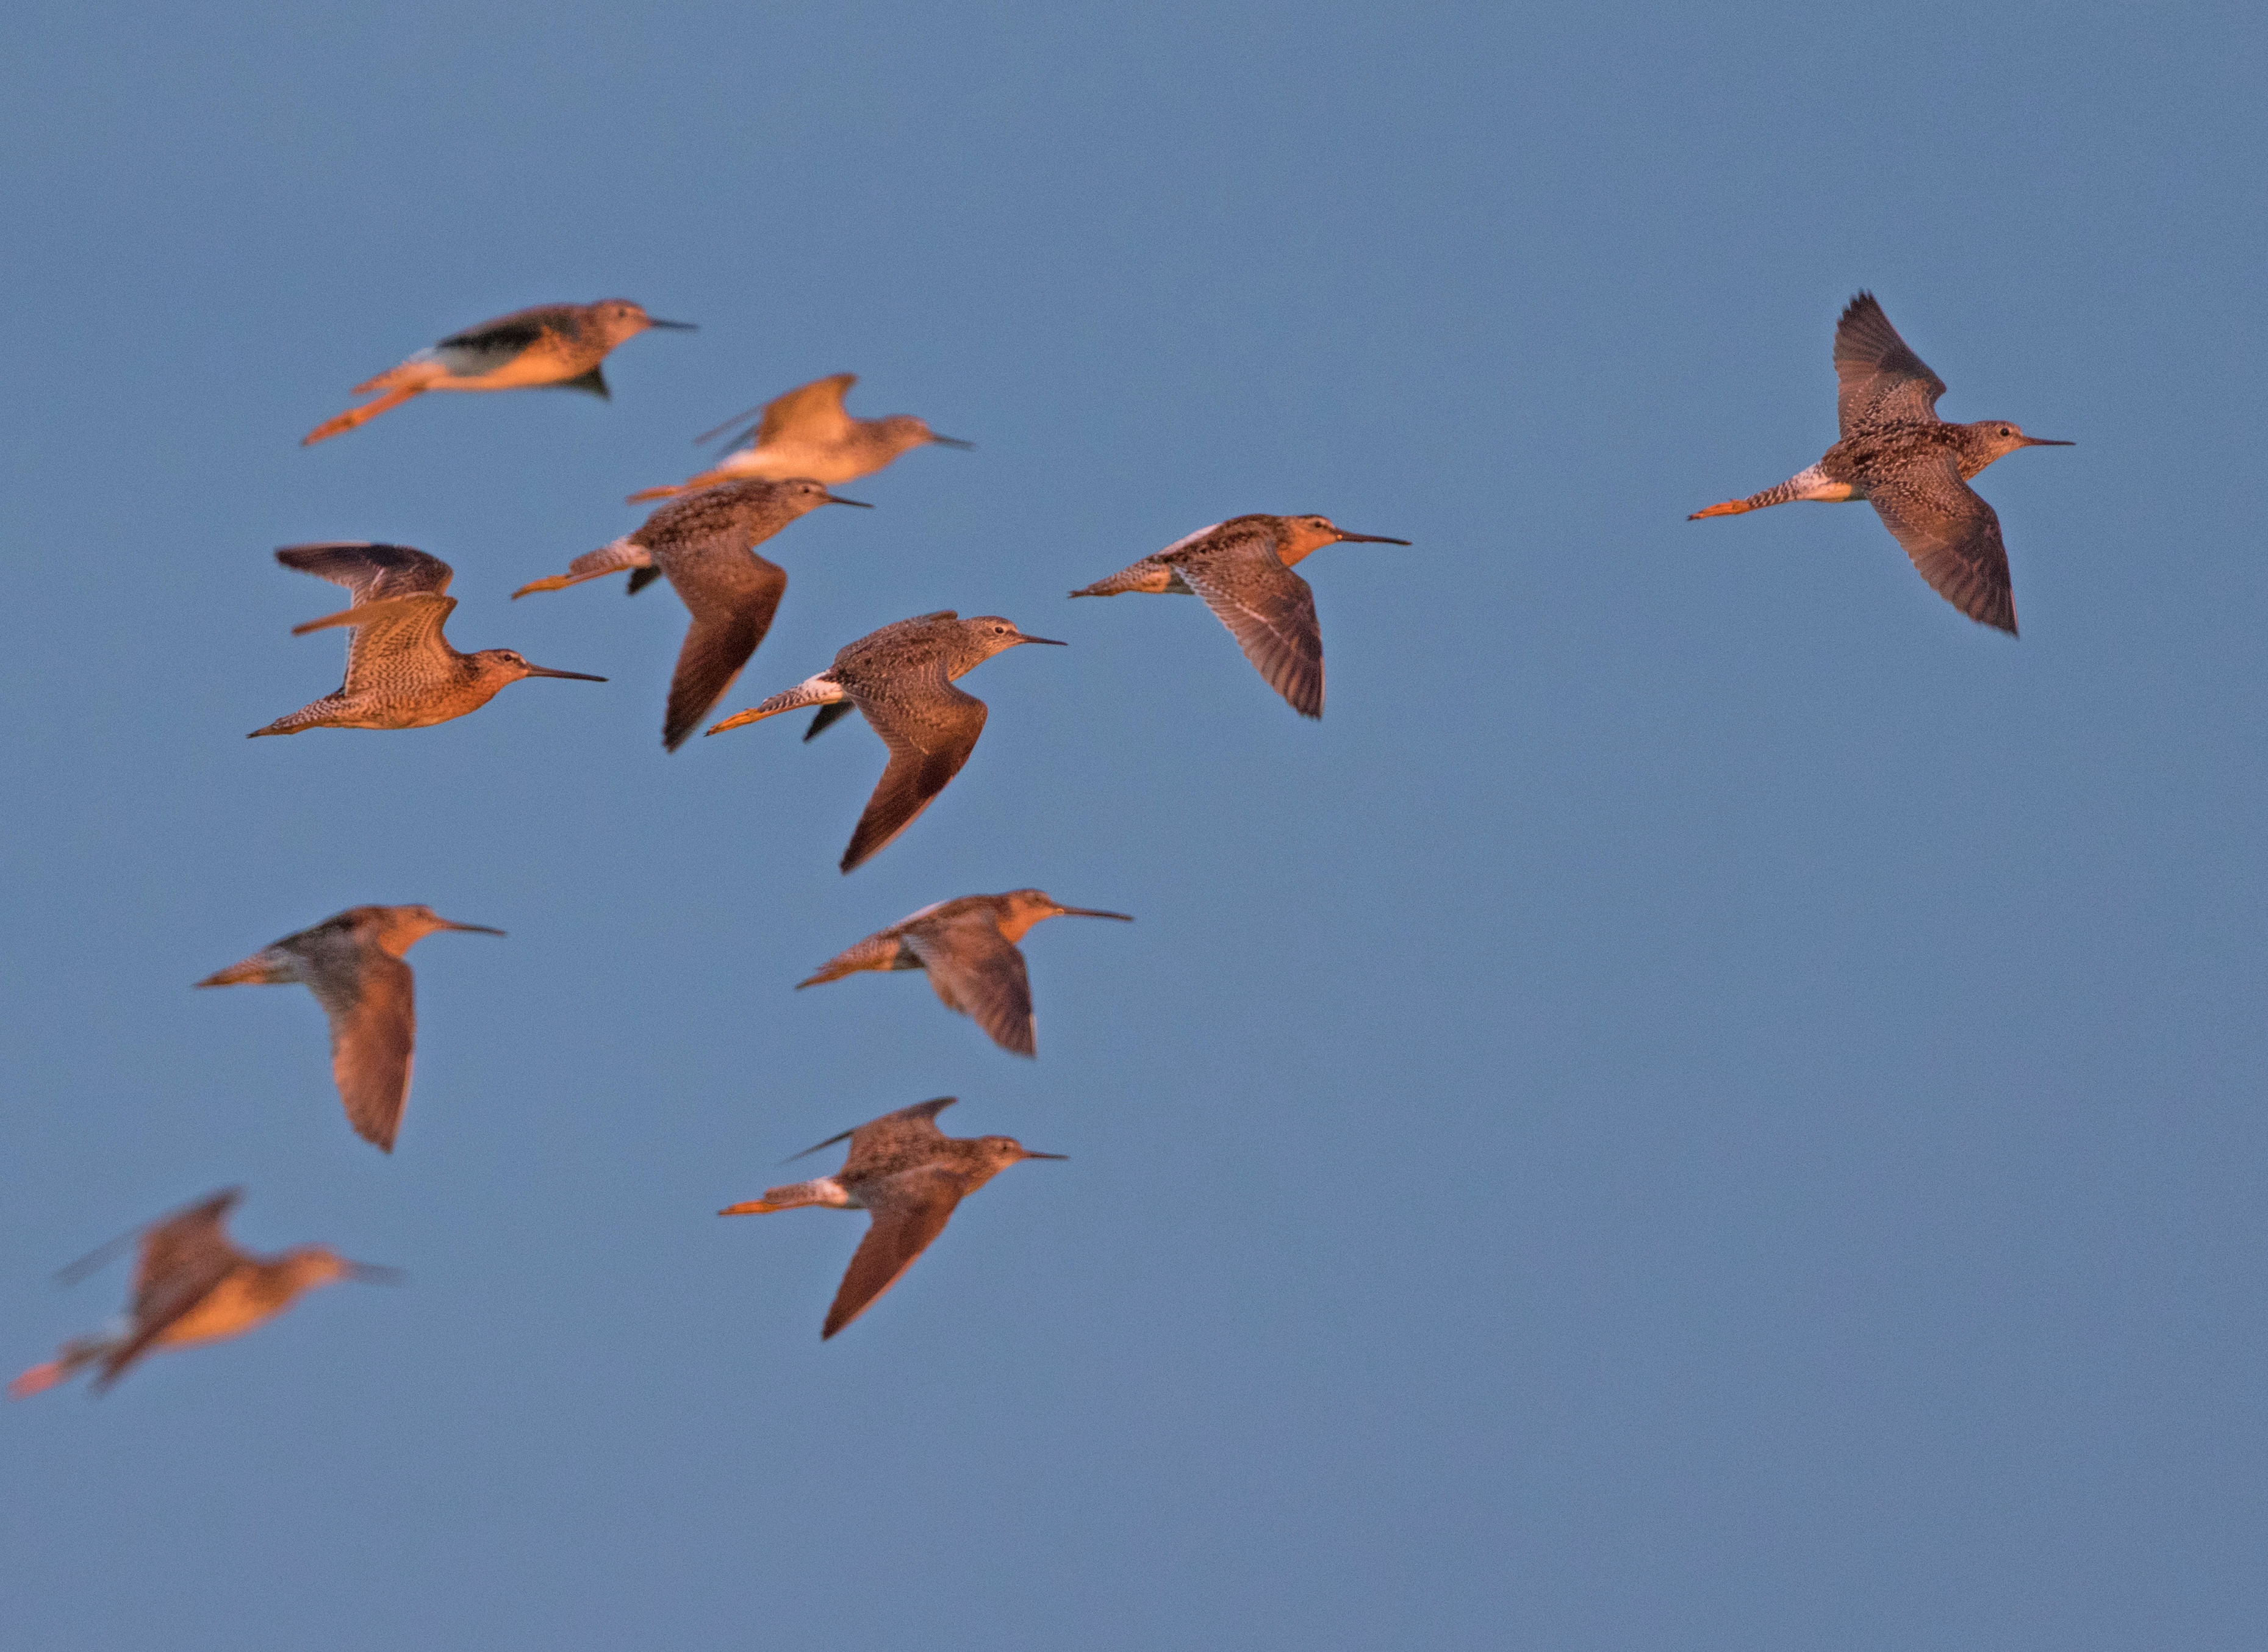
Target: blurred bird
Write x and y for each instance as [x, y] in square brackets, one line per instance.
[1242, 568]
[401, 673]
[353, 964]
[969, 947]
[907, 1175]
[703, 545]
[191, 1285]
[901, 676]
[806, 433]
[552, 345]
[1911, 465]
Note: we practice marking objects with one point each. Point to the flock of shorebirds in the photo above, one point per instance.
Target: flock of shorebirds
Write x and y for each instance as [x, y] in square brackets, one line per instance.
[192, 1284]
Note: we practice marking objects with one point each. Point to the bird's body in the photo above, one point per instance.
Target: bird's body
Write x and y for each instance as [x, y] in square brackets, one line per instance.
[401, 673]
[968, 947]
[807, 433]
[907, 1175]
[353, 963]
[1242, 569]
[1913, 467]
[901, 678]
[191, 1285]
[551, 345]
[704, 544]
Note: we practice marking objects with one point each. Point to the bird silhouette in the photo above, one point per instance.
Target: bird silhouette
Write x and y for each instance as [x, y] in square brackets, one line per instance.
[806, 432]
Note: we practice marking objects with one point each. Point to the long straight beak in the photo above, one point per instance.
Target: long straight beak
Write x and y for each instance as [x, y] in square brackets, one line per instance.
[578, 676]
[674, 327]
[861, 504]
[1050, 641]
[472, 929]
[1028, 1154]
[1369, 539]
[951, 441]
[2042, 441]
[374, 1273]
[1089, 911]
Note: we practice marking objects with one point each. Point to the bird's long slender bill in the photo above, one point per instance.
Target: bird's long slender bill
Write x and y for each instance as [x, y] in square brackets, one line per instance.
[1370, 539]
[376, 1273]
[471, 929]
[674, 327]
[578, 676]
[2042, 441]
[1089, 911]
[1050, 641]
[953, 441]
[1028, 1154]
[861, 504]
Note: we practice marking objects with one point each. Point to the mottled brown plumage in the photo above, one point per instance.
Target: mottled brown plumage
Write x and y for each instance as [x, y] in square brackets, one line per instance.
[1242, 569]
[1911, 465]
[191, 1285]
[901, 678]
[401, 673]
[807, 433]
[968, 947]
[556, 345]
[352, 962]
[907, 1175]
[703, 545]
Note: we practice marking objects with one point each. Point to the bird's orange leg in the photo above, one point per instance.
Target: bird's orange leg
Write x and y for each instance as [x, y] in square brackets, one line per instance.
[355, 415]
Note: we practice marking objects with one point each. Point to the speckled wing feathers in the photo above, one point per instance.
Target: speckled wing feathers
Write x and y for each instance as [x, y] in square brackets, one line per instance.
[1879, 378]
[930, 727]
[979, 972]
[732, 596]
[369, 570]
[370, 996]
[1953, 536]
[908, 1211]
[892, 1142]
[1270, 609]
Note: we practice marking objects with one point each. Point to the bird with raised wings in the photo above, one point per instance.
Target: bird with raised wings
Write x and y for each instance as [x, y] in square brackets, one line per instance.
[1912, 466]
[353, 964]
[703, 545]
[806, 432]
[908, 1175]
[1242, 569]
[901, 678]
[968, 948]
[551, 346]
[401, 673]
[191, 1285]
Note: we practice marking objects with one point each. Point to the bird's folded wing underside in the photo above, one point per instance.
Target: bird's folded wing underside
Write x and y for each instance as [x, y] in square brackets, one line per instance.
[978, 971]
[369, 997]
[1271, 611]
[930, 727]
[908, 1211]
[493, 344]
[369, 570]
[812, 412]
[731, 596]
[1878, 379]
[395, 639]
[1954, 537]
[895, 1139]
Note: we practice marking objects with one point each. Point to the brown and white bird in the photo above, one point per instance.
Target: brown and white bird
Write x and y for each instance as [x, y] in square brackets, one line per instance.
[901, 676]
[401, 673]
[552, 346]
[352, 962]
[1242, 568]
[191, 1285]
[968, 947]
[807, 433]
[908, 1175]
[1912, 466]
[703, 545]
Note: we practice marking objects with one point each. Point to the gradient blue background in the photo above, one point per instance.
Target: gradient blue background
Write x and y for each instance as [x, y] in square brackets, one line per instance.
[1710, 1103]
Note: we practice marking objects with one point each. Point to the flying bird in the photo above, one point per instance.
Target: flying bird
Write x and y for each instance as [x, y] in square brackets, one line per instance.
[1242, 568]
[352, 962]
[1912, 466]
[550, 346]
[968, 947]
[901, 676]
[806, 433]
[907, 1174]
[704, 544]
[191, 1285]
[401, 673]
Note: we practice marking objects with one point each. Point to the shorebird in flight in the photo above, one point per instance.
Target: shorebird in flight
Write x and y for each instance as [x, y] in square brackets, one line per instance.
[555, 346]
[705, 545]
[191, 1285]
[352, 962]
[806, 433]
[901, 676]
[400, 671]
[1242, 568]
[1912, 466]
[968, 947]
[907, 1174]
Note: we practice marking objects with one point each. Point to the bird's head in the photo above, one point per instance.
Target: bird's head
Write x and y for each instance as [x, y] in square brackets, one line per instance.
[310, 1265]
[618, 318]
[800, 494]
[1299, 535]
[1000, 1152]
[500, 666]
[902, 432]
[1023, 907]
[1995, 438]
[402, 927]
[994, 635]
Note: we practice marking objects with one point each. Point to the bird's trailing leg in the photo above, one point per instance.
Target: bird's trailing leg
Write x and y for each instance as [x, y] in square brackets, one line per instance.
[591, 565]
[876, 952]
[273, 967]
[75, 1356]
[1814, 483]
[356, 416]
[820, 690]
[821, 1190]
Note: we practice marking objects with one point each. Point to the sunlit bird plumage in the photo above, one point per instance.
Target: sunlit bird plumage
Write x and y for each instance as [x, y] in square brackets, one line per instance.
[908, 1175]
[807, 432]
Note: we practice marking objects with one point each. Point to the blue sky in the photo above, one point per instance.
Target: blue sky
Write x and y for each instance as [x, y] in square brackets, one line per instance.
[1711, 1102]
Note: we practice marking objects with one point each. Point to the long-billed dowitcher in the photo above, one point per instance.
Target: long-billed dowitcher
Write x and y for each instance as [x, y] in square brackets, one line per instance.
[191, 1284]
[969, 947]
[806, 433]
[901, 676]
[556, 346]
[400, 671]
[1242, 568]
[907, 1174]
[704, 544]
[1912, 466]
[352, 962]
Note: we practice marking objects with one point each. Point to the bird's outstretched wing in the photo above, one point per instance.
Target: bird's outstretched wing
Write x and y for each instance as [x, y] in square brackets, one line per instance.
[1879, 380]
[980, 972]
[184, 1259]
[930, 727]
[494, 344]
[732, 594]
[811, 412]
[908, 1211]
[1954, 537]
[894, 1141]
[1270, 609]
[370, 996]
[367, 570]
[395, 639]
